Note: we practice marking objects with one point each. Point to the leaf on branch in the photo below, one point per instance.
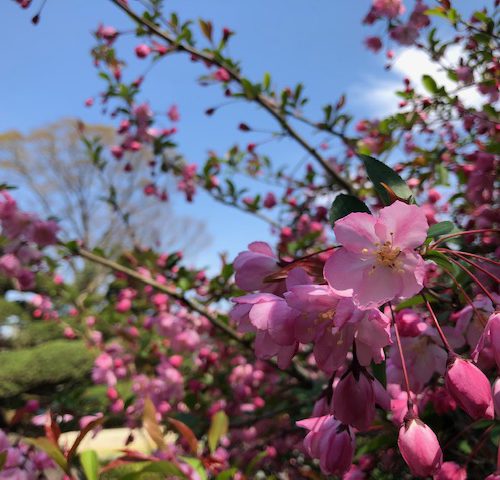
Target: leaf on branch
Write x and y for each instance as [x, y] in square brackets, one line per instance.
[343, 205]
[151, 425]
[441, 228]
[218, 428]
[387, 183]
[90, 464]
[186, 433]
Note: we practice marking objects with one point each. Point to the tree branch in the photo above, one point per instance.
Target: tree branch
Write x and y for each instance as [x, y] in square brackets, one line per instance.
[262, 100]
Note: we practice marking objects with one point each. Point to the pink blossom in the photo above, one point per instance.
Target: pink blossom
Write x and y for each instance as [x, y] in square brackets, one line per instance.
[490, 339]
[44, 233]
[10, 265]
[405, 34]
[173, 113]
[451, 471]
[373, 43]
[496, 397]
[388, 8]
[470, 388]
[355, 400]
[142, 50]
[107, 33]
[420, 448]
[269, 200]
[377, 261]
[253, 266]
[464, 74]
[222, 75]
[331, 442]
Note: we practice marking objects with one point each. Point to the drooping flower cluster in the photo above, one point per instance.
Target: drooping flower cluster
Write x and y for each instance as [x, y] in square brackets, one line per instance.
[378, 262]
[25, 236]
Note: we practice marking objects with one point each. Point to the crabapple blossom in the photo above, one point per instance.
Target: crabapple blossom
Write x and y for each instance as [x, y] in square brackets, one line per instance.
[355, 399]
[377, 261]
[331, 442]
[252, 266]
[420, 448]
[470, 388]
[451, 471]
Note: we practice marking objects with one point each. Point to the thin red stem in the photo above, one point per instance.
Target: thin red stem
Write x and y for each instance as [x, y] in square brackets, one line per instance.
[475, 265]
[466, 232]
[471, 275]
[468, 254]
[409, 400]
[447, 346]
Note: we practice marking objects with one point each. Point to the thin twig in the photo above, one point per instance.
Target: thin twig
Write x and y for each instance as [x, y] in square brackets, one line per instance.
[266, 103]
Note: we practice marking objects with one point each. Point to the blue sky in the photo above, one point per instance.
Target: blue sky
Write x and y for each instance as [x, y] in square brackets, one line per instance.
[46, 74]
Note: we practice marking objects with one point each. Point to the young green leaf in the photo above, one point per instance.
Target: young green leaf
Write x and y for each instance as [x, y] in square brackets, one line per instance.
[343, 205]
[90, 464]
[441, 228]
[382, 177]
[218, 428]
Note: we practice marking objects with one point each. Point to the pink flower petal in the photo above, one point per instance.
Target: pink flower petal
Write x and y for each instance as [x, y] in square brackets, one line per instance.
[356, 231]
[407, 223]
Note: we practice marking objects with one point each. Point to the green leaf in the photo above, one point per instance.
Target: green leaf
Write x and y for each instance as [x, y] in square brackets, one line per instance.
[441, 228]
[51, 449]
[267, 81]
[161, 467]
[410, 302]
[439, 259]
[90, 464]
[3, 459]
[343, 205]
[218, 428]
[227, 474]
[197, 465]
[429, 84]
[380, 174]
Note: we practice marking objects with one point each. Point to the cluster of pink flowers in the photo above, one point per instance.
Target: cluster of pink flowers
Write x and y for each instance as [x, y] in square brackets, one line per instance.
[26, 235]
[404, 33]
[22, 461]
[378, 262]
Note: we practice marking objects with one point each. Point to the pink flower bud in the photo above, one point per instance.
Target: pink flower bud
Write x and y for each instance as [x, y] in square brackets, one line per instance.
[420, 448]
[354, 400]
[142, 50]
[470, 388]
[331, 442]
[451, 471]
[496, 396]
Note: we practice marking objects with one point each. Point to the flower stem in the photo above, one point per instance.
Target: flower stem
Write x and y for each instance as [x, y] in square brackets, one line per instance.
[446, 344]
[409, 400]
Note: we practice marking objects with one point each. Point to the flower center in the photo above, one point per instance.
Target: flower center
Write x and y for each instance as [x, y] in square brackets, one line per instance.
[387, 255]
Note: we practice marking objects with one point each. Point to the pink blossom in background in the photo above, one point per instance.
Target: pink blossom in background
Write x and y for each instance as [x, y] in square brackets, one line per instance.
[377, 262]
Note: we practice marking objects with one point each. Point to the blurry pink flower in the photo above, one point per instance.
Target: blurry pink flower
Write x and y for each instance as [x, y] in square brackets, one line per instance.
[253, 265]
[388, 8]
[470, 388]
[331, 442]
[44, 233]
[405, 34]
[142, 50]
[420, 448]
[465, 74]
[222, 75]
[496, 396]
[10, 265]
[373, 43]
[173, 113]
[490, 339]
[451, 471]
[269, 200]
[377, 261]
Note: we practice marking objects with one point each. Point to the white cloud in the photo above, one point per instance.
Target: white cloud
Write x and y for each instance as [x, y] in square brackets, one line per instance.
[376, 94]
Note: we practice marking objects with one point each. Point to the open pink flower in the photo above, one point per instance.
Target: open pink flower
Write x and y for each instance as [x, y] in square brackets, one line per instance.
[253, 265]
[377, 261]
